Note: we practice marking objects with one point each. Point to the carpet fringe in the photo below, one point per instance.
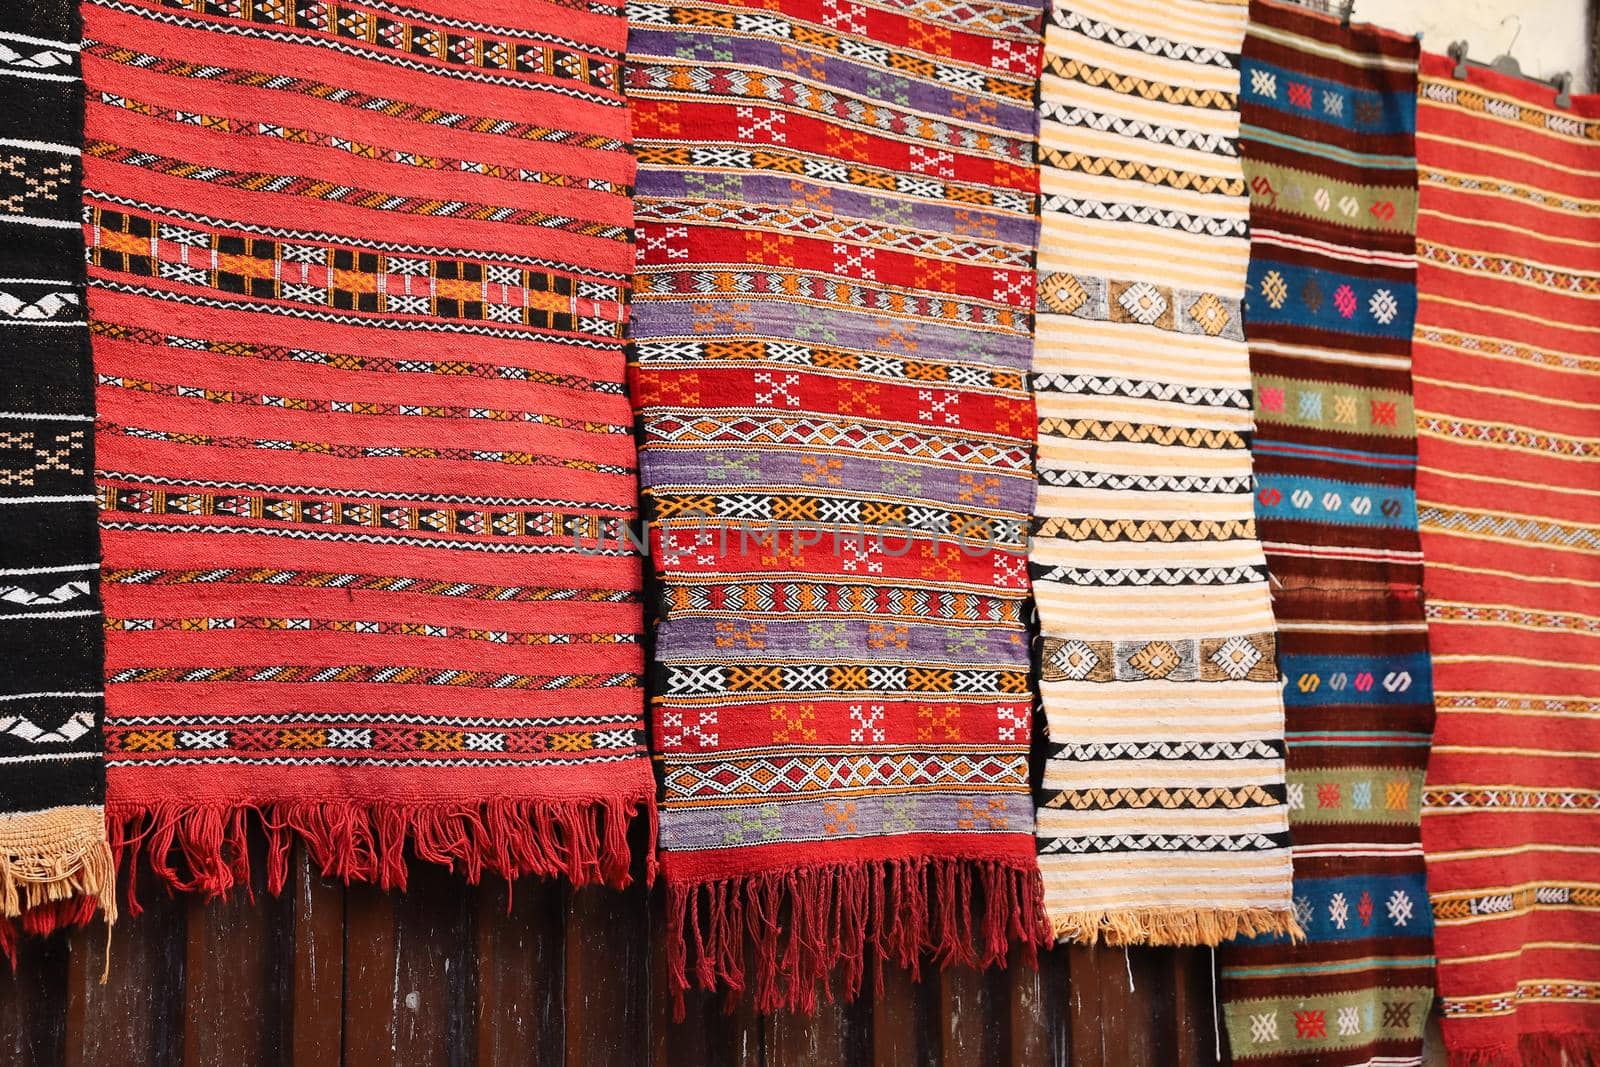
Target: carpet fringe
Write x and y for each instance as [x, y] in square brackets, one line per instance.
[1174, 926]
[799, 926]
[56, 869]
[1579, 1048]
[203, 847]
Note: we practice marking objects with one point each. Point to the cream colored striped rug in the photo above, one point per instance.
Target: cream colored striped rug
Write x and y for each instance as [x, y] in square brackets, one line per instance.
[1162, 816]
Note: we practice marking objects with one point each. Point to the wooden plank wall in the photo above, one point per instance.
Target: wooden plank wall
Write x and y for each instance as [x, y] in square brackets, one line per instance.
[445, 976]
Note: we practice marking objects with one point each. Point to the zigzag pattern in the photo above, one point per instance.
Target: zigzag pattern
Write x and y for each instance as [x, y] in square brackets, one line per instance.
[1166, 531]
[1163, 843]
[1100, 385]
[1147, 576]
[1131, 85]
[1139, 130]
[1146, 215]
[1096, 30]
[1168, 750]
[1249, 796]
[1137, 170]
[1140, 433]
[1151, 483]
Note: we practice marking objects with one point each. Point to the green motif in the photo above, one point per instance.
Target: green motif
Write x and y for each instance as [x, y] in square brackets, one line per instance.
[828, 635]
[743, 826]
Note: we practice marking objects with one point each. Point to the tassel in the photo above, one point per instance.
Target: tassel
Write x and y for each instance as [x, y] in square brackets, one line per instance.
[203, 847]
[1174, 926]
[801, 929]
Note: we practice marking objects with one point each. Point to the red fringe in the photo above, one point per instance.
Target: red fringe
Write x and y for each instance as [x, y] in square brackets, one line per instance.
[801, 925]
[203, 847]
[43, 921]
[1576, 1048]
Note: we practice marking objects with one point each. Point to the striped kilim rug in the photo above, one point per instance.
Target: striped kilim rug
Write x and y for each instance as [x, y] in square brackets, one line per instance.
[1329, 155]
[832, 322]
[54, 861]
[358, 279]
[1507, 366]
[1162, 814]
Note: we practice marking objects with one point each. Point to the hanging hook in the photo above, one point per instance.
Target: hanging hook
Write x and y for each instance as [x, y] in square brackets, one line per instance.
[1349, 9]
[1505, 62]
[1458, 52]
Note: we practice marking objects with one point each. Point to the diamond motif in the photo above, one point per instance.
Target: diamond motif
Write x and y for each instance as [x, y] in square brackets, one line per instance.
[1062, 293]
[1143, 302]
[1155, 660]
[1383, 306]
[1312, 295]
[1275, 289]
[1209, 314]
[1075, 659]
[1235, 657]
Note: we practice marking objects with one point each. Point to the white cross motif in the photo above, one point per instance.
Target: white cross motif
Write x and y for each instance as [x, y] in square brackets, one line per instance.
[671, 241]
[1009, 288]
[862, 552]
[933, 161]
[867, 720]
[855, 262]
[678, 726]
[1010, 55]
[844, 16]
[1399, 907]
[1264, 1027]
[1264, 83]
[1013, 724]
[1383, 306]
[1349, 1021]
[1010, 571]
[939, 403]
[778, 393]
[1297, 796]
[1339, 911]
[679, 546]
[772, 123]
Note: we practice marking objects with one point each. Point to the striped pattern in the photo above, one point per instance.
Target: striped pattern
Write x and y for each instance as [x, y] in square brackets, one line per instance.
[54, 860]
[1507, 338]
[1329, 155]
[832, 326]
[366, 465]
[1159, 666]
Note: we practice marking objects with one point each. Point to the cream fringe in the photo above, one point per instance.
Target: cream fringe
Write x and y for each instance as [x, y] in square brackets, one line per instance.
[54, 855]
[1173, 926]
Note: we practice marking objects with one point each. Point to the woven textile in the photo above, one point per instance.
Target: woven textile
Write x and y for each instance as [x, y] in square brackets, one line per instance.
[53, 853]
[1329, 155]
[358, 277]
[832, 320]
[1162, 815]
[1507, 365]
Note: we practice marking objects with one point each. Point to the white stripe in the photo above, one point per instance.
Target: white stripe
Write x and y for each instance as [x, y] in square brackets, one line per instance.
[43, 146]
[46, 499]
[39, 415]
[35, 322]
[1328, 355]
[36, 281]
[47, 615]
[64, 568]
[29, 220]
[35, 696]
[1355, 59]
[57, 756]
[1353, 255]
[65, 46]
[40, 77]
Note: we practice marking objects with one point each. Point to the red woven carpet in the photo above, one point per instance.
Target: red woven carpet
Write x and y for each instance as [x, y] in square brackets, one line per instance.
[1507, 370]
[358, 277]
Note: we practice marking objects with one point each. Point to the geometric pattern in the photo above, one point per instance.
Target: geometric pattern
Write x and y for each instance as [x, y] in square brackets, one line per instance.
[1159, 657]
[347, 399]
[831, 332]
[1329, 157]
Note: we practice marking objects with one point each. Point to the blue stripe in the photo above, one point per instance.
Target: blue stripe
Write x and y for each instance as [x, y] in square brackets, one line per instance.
[1319, 150]
[1335, 900]
[1267, 447]
[1359, 110]
[1336, 503]
[1318, 681]
[1312, 298]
